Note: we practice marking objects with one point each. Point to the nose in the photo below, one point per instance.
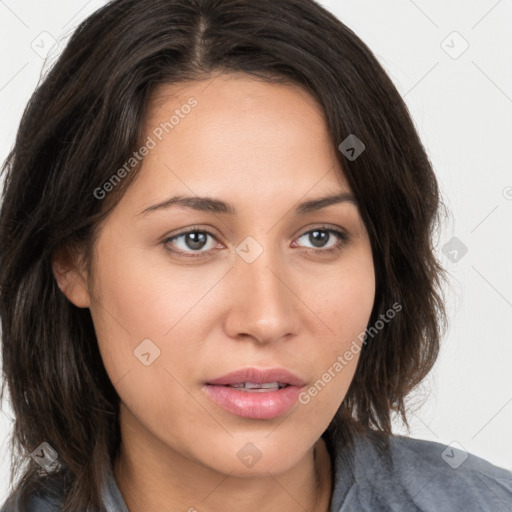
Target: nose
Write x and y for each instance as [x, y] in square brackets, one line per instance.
[262, 303]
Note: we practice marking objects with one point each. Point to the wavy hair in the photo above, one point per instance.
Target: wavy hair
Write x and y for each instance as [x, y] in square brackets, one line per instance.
[86, 118]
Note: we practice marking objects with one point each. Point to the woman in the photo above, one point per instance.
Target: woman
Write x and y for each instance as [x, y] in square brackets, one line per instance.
[217, 276]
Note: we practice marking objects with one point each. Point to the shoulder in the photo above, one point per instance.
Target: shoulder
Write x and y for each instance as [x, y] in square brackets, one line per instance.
[49, 495]
[422, 475]
[446, 475]
[39, 503]
[44, 499]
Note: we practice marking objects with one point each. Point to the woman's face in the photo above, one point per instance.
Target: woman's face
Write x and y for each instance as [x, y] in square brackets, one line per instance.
[267, 286]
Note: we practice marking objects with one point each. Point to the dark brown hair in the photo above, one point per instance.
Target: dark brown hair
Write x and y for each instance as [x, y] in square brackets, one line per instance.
[85, 120]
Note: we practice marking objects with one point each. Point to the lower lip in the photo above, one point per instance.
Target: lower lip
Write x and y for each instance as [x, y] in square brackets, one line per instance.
[260, 405]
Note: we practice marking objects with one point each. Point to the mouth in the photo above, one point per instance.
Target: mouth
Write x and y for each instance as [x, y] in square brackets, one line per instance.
[253, 378]
[254, 393]
[254, 387]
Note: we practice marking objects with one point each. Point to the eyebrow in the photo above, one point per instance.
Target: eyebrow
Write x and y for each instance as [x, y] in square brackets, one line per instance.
[209, 204]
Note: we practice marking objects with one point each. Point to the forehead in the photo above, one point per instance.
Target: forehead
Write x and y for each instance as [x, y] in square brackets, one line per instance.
[233, 132]
[239, 111]
[238, 90]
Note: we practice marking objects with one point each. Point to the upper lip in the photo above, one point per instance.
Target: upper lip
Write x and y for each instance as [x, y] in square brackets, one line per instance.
[258, 376]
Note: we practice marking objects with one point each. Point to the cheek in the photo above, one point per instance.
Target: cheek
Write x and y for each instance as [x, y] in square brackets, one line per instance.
[336, 356]
[143, 293]
[146, 325]
[146, 304]
[345, 309]
[349, 296]
[131, 304]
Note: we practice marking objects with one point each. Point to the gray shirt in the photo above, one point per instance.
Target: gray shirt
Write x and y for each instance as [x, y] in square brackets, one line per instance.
[418, 475]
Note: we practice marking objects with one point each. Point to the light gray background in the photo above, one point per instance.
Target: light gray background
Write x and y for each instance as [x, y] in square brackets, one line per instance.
[462, 107]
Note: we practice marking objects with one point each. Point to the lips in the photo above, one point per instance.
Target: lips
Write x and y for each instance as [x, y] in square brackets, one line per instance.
[256, 394]
[257, 376]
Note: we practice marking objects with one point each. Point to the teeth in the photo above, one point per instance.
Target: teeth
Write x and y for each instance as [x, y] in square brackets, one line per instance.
[253, 386]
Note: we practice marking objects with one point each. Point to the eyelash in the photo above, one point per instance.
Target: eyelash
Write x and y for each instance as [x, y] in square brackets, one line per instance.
[343, 240]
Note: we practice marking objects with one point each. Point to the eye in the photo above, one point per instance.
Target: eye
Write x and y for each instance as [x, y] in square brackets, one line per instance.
[196, 241]
[193, 240]
[318, 236]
